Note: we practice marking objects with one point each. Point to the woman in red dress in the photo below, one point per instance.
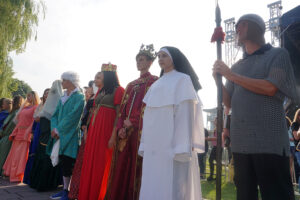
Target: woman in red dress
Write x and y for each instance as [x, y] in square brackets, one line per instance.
[75, 181]
[101, 135]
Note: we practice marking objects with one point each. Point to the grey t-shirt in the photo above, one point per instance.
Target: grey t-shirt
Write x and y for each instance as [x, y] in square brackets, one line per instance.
[258, 121]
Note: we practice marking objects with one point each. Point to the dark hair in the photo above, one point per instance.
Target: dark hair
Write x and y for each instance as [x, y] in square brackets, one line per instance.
[182, 65]
[17, 102]
[43, 97]
[255, 34]
[1, 103]
[91, 83]
[6, 100]
[110, 82]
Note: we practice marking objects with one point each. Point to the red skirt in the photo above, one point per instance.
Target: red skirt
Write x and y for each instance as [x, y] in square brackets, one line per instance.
[75, 182]
[97, 155]
[126, 172]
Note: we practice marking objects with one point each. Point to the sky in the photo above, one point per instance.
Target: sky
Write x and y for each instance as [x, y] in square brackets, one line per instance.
[80, 35]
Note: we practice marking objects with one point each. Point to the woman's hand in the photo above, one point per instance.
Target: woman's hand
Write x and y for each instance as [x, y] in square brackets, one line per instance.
[37, 119]
[122, 133]
[85, 134]
[111, 142]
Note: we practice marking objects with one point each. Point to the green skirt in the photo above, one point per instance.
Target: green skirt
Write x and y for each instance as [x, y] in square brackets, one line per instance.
[5, 146]
[43, 175]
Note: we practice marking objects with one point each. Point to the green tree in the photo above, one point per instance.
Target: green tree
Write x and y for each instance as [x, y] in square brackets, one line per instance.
[6, 80]
[19, 87]
[18, 24]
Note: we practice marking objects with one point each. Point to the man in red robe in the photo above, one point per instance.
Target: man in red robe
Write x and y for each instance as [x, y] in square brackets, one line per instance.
[126, 168]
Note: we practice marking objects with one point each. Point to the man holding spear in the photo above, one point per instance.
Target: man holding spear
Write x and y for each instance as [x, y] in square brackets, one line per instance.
[256, 88]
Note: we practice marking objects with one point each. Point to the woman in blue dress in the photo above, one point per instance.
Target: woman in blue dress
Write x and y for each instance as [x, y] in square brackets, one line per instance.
[35, 140]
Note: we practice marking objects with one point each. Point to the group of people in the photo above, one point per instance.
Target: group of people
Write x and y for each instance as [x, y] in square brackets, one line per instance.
[142, 142]
[110, 142]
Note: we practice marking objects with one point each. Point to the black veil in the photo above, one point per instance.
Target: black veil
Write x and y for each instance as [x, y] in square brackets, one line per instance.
[182, 65]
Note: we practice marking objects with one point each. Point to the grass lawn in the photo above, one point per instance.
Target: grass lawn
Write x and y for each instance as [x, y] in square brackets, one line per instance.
[228, 189]
[209, 190]
[209, 187]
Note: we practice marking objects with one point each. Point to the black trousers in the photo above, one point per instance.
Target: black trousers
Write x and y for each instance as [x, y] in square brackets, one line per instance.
[212, 158]
[202, 162]
[67, 165]
[268, 171]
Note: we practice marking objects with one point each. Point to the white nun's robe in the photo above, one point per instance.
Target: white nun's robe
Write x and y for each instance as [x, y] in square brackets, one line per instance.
[172, 135]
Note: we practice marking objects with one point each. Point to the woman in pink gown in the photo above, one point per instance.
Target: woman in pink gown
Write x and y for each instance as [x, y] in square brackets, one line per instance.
[21, 136]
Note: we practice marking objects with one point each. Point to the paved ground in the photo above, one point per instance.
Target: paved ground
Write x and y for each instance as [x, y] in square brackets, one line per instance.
[14, 191]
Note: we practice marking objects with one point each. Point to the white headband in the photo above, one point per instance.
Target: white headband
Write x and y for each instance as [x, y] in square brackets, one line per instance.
[167, 52]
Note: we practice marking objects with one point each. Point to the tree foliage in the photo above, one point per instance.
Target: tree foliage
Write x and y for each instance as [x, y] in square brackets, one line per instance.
[20, 88]
[18, 24]
[6, 73]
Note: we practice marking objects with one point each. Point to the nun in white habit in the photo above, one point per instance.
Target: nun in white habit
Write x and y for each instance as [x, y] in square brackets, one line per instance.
[173, 132]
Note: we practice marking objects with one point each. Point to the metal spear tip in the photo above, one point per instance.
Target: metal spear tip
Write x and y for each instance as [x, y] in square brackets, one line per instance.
[218, 14]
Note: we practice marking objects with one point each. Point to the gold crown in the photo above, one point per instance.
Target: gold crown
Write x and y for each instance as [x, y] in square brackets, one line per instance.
[109, 67]
[147, 50]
